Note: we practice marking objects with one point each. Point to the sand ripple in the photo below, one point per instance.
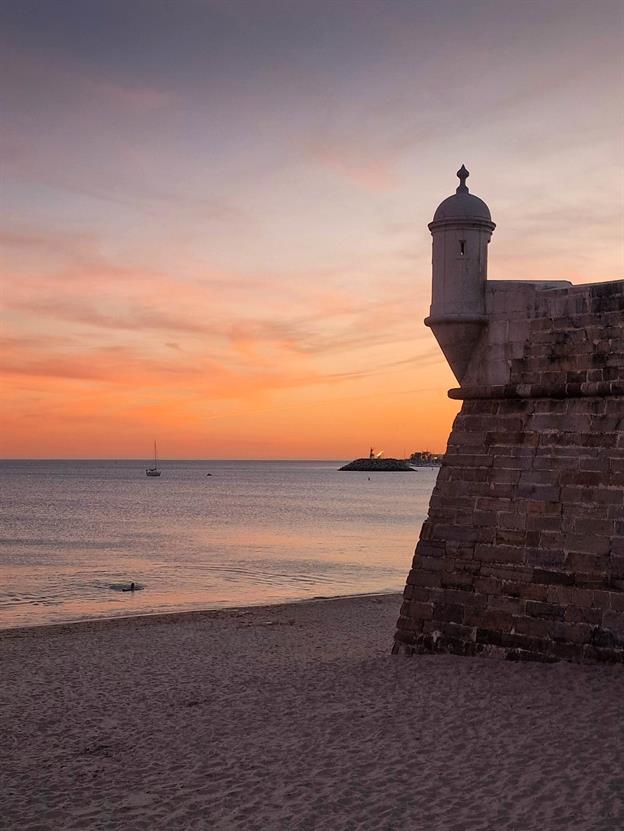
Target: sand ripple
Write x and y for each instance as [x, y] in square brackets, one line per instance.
[297, 718]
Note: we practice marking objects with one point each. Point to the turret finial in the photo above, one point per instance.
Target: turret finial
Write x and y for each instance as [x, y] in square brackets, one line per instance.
[462, 175]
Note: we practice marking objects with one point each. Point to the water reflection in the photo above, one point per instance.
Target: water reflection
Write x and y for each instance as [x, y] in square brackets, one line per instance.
[252, 533]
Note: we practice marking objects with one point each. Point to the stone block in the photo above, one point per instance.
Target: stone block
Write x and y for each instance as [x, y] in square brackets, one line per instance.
[577, 614]
[554, 611]
[549, 577]
[420, 611]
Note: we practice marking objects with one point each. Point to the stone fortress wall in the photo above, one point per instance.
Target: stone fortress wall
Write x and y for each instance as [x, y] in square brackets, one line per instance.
[523, 548]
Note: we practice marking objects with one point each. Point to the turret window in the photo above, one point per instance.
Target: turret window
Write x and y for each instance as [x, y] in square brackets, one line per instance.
[462, 247]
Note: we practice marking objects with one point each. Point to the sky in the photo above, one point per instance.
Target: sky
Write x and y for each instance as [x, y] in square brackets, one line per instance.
[214, 225]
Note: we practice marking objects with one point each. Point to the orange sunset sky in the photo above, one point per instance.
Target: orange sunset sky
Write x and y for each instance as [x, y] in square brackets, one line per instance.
[215, 213]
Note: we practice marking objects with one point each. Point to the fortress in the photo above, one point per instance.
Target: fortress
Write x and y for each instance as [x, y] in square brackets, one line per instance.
[522, 552]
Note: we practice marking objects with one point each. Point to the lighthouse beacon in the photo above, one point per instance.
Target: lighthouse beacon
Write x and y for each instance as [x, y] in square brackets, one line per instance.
[461, 231]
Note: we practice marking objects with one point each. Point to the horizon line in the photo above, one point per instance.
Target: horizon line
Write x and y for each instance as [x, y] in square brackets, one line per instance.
[189, 459]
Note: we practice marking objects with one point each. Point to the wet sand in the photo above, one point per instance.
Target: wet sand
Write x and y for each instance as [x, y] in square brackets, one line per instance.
[297, 717]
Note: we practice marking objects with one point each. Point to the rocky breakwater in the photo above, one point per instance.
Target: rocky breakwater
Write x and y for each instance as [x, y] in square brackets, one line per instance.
[388, 465]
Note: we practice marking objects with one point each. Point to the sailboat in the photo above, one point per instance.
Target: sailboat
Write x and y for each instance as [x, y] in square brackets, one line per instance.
[153, 471]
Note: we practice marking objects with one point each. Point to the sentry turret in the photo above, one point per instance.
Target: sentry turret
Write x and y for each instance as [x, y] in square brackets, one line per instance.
[461, 229]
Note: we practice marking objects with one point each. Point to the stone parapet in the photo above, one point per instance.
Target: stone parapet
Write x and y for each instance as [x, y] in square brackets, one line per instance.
[549, 334]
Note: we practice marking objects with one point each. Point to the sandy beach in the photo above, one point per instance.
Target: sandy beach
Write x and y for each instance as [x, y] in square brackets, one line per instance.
[297, 717]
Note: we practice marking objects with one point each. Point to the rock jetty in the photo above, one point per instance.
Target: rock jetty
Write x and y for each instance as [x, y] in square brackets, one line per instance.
[392, 465]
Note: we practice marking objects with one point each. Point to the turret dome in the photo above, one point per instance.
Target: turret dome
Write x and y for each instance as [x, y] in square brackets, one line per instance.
[463, 204]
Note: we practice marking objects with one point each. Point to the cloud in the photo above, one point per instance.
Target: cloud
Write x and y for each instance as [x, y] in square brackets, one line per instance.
[355, 165]
[35, 76]
[257, 316]
[130, 329]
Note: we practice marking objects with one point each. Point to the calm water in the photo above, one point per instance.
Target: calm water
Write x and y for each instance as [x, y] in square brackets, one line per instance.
[73, 533]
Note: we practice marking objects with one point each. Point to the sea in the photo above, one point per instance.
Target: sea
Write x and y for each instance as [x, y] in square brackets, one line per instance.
[204, 535]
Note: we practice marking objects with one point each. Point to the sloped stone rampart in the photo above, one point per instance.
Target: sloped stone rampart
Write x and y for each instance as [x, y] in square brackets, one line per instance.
[523, 547]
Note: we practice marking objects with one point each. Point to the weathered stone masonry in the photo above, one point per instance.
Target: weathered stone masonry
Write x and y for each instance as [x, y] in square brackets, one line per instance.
[523, 548]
